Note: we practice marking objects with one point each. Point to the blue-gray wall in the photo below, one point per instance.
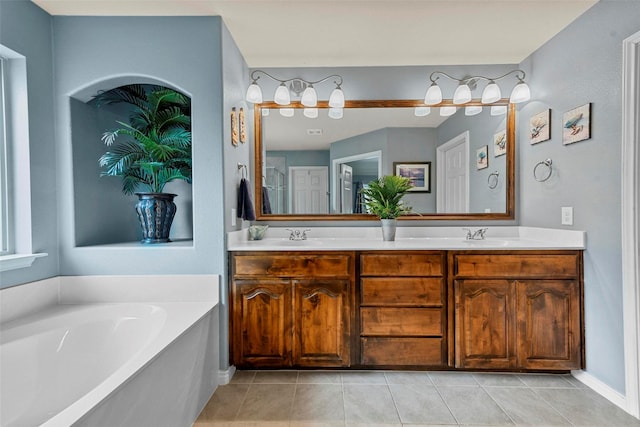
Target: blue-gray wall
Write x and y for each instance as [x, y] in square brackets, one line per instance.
[98, 53]
[583, 64]
[26, 29]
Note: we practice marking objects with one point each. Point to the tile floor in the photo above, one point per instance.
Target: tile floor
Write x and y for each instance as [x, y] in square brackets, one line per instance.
[400, 398]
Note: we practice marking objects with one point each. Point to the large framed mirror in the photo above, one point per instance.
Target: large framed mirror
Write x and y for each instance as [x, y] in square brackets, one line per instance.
[311, 168]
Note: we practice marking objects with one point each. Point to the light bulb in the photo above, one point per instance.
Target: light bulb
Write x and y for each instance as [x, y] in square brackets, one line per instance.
[433, 95]
[520, 93]
[335, 113]
[498, 110]
[462, 94]
[491, 93]
[254, 93]
[422, 111]
[286, 112]
[282, 96]
[309, 97]
[447, 110]
[472, 110]
[336, 99]
[311, 113]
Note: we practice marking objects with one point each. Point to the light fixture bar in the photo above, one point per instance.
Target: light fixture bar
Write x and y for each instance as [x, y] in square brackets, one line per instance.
[490, 94]
[298, 85]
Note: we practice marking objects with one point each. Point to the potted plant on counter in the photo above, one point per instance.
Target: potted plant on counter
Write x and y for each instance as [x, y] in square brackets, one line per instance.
[383, 198]
[151, 150]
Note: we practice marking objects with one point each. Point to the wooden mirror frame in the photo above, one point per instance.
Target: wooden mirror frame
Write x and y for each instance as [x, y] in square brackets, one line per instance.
[510, 165]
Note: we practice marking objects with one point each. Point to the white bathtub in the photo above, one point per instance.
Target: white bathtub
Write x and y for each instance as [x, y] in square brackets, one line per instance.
[71, 364]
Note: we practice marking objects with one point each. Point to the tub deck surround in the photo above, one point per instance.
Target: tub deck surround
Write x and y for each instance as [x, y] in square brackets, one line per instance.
[98, 335]
[409, 238]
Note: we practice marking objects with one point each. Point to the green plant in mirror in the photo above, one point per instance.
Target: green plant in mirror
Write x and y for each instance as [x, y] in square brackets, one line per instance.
[383, 197]
[154, 147]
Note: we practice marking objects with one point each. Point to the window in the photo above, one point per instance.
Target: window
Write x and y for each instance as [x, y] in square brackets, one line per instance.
[15, 182]
[5, 247]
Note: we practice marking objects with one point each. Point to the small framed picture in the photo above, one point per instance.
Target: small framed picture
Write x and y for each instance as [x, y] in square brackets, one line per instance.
[243, 127]
[234, 127]
[500, 143]
[418, 172]
[540, 127]
[482, 157]
[576, 124]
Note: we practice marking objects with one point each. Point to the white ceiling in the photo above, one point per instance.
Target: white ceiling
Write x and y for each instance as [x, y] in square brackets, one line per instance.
[331, 33]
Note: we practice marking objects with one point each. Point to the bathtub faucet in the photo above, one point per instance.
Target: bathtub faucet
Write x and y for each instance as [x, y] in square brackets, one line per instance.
[476, 235]
[297, 234]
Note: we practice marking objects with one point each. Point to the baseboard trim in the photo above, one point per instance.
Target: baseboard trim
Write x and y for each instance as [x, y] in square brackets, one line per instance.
[224, 377]
[602, 389]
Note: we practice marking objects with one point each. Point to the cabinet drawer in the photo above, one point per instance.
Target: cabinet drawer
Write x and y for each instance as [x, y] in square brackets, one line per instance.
[401, 321]
[517, 266]
[401, 264]
[292, 265]
[402, 351]
[404, 291]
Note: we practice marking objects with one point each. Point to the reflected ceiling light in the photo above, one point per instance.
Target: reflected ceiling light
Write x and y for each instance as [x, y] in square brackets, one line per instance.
[498, 110]
[422, 111]
[311, 113]
[335, 113]
[297, 86]
[490, 94]
[286, 112]
[472, 110]
[448, 110]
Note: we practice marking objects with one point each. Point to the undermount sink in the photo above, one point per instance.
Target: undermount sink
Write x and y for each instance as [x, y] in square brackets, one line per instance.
[487, 242]
[286, 242]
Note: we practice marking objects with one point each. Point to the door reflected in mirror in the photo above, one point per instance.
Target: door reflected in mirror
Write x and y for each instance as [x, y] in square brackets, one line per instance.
[314, 168]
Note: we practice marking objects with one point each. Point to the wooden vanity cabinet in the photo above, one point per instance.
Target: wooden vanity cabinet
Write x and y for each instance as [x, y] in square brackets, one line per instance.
[402, 315]
[291, 309]
[516, 310]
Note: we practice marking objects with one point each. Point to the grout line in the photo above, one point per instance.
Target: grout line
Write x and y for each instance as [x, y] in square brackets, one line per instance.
[444, 400]
[535, 390]
[244, 398]
[498, 404]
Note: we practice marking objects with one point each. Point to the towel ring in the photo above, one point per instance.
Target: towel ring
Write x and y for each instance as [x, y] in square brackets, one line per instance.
[493, 183]
[547, 163]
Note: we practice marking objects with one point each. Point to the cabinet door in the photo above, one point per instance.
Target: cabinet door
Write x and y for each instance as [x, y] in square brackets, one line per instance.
[548, 324]
[484, 323]
[262, 322]
[321, 325]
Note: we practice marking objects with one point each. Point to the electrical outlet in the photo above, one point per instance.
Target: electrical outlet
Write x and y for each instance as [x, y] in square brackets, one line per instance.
[234, 214]
[567, 215]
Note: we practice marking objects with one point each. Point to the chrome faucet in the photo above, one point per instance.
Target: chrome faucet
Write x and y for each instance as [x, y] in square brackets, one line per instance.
[476, 235]
[297, 234]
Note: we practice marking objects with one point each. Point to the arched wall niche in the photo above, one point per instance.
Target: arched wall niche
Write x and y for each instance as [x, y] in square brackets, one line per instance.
[102, 213]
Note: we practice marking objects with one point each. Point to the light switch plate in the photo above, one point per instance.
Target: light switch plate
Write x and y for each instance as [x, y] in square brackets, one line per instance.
[234, 213]
[567, 215]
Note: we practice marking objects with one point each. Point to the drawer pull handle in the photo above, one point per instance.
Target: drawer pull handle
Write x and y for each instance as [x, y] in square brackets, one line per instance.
[262, 291]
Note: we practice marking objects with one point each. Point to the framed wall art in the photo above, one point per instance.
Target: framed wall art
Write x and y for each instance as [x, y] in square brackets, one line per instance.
[418, 172]
[482, 157]
[500, 143]
[540, 127]
[576, 124]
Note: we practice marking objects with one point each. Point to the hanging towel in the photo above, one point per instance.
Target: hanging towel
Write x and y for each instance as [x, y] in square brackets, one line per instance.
[266, 204]
[245, 205]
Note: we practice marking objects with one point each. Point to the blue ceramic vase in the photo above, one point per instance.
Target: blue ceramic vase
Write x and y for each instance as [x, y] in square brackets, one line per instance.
[155, 212]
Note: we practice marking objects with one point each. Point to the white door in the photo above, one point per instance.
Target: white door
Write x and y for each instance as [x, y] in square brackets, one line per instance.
[453, 175]
[309, 189]
[346, 189]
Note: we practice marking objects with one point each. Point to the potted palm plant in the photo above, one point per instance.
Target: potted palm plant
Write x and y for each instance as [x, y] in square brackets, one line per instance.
[151, 150]
[383, 198]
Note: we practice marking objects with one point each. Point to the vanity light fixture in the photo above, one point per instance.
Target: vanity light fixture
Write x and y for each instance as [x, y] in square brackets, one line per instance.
[490, 94]
[300, 87]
